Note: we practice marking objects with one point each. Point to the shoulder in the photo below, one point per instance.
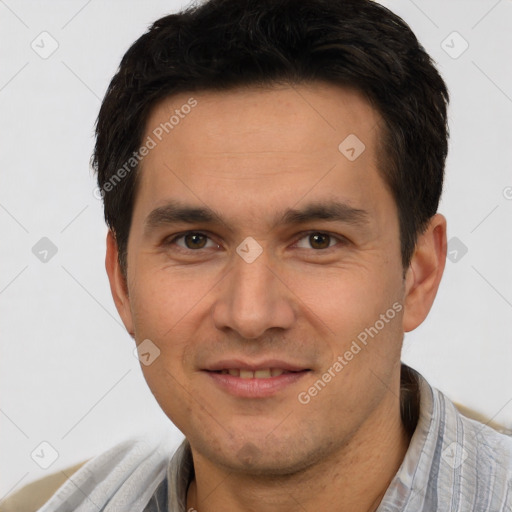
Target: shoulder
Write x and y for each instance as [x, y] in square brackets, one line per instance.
[128, 472]
[453, 462]
[33, 495]
[475, 433]
[492, 447]
[474, 460]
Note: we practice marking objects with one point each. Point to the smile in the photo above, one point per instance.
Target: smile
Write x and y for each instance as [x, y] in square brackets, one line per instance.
[265, 373]
[254, 383]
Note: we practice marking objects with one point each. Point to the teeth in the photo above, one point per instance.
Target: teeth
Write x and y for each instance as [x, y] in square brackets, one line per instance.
[265, 373]
[262, 374]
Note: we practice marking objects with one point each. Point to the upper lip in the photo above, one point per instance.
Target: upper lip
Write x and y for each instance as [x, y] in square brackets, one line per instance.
[229, 364]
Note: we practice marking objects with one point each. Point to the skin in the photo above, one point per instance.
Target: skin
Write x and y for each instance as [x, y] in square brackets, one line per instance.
[250, 154]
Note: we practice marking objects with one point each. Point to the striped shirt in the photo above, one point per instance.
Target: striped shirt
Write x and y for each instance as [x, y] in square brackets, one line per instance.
[453, 464]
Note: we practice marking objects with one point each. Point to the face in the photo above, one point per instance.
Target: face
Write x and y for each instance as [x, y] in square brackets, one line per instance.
[264, 264]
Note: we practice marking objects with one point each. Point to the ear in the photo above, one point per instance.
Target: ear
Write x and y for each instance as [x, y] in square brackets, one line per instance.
[424, 273]
[118, 285]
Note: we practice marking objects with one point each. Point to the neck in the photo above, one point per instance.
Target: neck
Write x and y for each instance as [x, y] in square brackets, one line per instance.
[354, 478]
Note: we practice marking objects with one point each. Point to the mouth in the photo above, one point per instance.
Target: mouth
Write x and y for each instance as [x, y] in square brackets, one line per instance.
[262, 373]
[255, 380]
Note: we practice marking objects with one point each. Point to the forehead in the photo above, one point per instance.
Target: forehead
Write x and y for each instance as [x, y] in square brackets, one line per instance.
[257, 147]
[315, 114]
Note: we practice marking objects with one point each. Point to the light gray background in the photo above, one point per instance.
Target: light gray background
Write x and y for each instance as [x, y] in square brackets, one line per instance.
[68, 374]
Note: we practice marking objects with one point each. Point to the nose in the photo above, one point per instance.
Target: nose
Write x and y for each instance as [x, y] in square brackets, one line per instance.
[253, 298]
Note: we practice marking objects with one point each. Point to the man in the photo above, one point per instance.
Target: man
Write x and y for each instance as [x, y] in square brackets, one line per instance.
[271, 172]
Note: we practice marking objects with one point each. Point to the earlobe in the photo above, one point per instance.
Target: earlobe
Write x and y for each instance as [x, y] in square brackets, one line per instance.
[424, 273]
[118, 285]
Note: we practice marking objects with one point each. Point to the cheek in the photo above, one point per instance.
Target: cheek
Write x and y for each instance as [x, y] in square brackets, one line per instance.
[171, 390]
[168, 308]
[163, 302]
[344, 299]
[358, 316]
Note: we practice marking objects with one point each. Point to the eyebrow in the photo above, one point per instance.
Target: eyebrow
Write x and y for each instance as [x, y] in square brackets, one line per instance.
[175, 212]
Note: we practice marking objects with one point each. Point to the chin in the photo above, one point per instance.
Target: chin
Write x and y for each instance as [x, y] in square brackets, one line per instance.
[268, 456]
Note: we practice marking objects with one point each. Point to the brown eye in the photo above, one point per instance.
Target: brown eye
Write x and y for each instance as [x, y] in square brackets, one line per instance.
[317, 241]
[195, 240]
[190, 241]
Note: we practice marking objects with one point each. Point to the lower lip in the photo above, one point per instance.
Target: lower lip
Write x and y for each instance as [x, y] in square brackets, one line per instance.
[255, 388]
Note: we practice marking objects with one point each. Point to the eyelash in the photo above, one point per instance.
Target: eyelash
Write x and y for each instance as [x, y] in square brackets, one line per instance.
[341, 240]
